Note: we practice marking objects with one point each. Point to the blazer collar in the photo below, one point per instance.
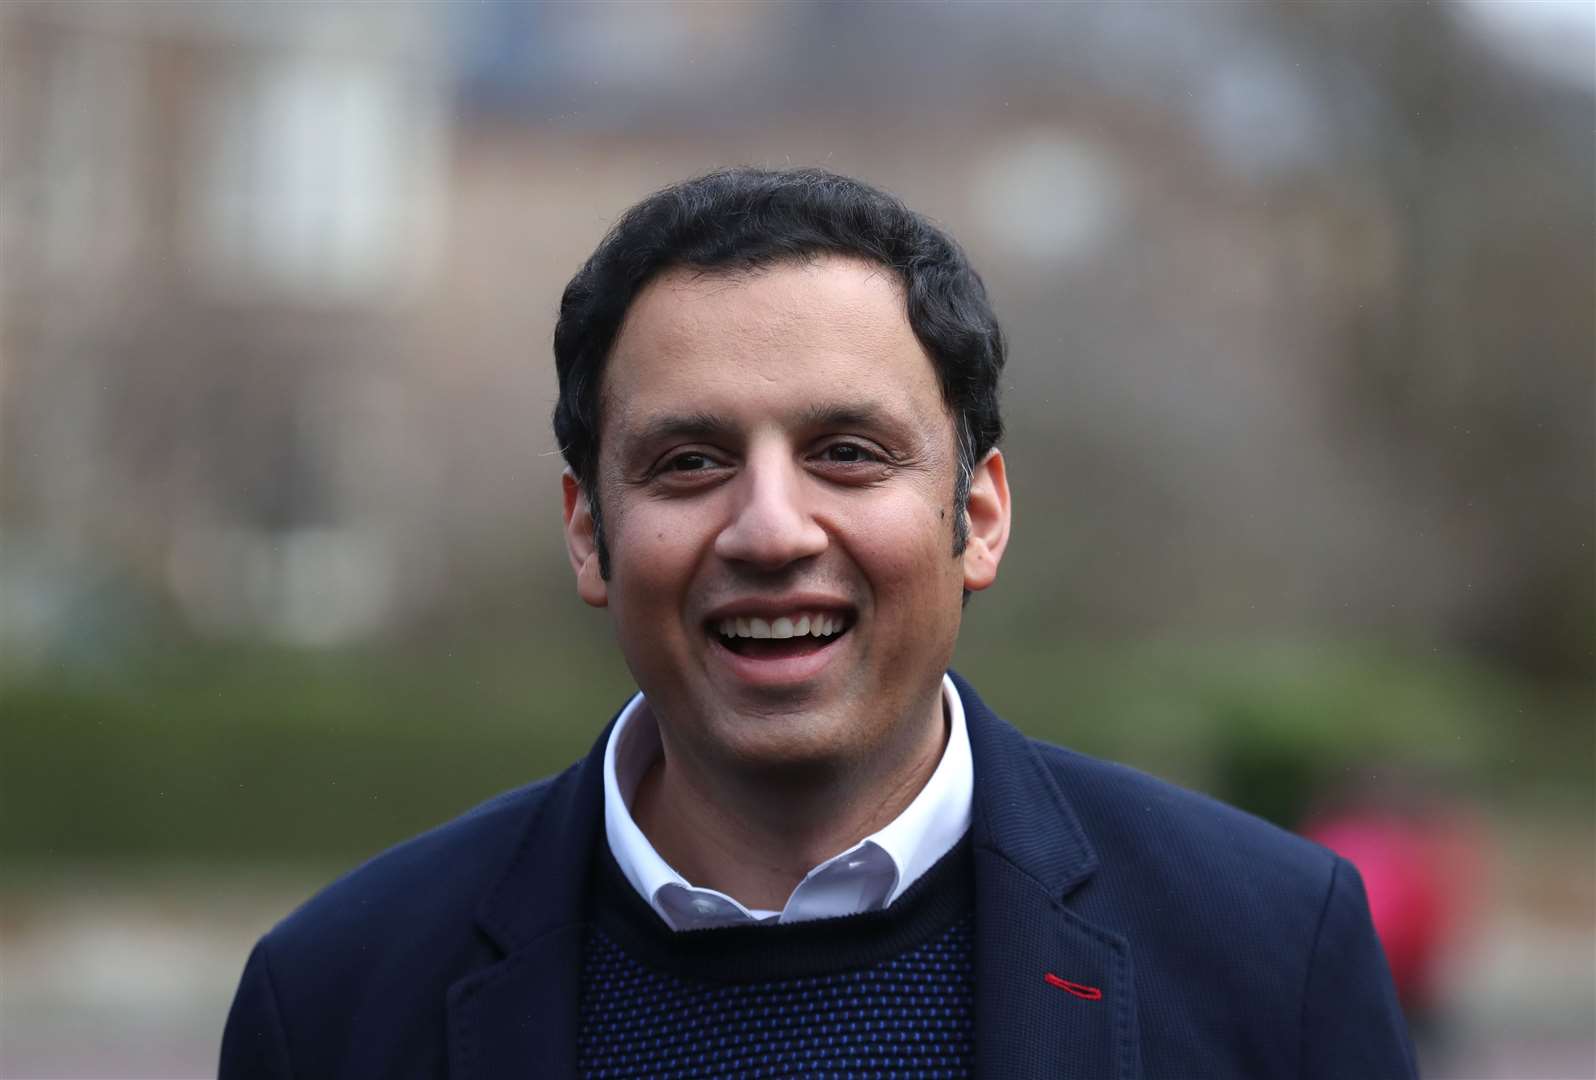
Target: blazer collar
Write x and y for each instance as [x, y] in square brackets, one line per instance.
[1020, 813]
[1031, 853]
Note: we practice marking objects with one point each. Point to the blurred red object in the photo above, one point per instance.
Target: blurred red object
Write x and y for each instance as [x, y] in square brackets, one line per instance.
[1420, 871]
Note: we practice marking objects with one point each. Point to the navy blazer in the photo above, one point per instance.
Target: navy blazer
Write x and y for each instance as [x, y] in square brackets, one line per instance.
[1124, 928]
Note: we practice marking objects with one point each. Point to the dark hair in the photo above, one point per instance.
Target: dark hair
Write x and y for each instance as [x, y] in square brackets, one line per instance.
[744, 219]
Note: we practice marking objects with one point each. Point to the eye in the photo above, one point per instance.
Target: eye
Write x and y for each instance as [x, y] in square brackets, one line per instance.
[847, 453]
[692, 461]
[684, 469]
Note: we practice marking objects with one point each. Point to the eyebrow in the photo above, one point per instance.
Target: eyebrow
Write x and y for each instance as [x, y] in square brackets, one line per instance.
[696, 425]
[706, 425]
[861, 414]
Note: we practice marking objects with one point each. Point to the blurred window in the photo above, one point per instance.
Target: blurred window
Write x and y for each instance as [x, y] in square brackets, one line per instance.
[94, 104]
[310, 178]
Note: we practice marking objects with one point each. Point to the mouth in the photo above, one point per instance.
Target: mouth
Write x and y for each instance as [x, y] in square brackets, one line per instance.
[782, 637]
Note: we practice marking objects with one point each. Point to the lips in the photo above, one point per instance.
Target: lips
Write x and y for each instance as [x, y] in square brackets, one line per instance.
[771, 645]
[818, 624]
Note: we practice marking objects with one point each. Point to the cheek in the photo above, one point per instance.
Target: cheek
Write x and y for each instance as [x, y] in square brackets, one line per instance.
[907, 550]
[652, 557]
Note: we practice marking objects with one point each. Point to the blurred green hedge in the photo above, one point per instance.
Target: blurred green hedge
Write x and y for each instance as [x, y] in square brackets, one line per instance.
[252, 754]
[263, 754]
[1276, 727]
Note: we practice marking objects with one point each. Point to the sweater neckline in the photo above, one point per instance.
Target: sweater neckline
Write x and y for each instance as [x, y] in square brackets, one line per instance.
[763, 952]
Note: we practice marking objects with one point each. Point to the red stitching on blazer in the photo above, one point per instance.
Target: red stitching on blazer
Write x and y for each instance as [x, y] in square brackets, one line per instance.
[1086, 993]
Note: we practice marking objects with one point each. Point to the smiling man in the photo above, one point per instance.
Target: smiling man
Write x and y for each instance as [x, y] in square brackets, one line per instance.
[804, 847]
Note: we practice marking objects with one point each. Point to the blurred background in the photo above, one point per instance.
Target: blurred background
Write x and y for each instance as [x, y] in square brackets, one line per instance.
[1301, 403]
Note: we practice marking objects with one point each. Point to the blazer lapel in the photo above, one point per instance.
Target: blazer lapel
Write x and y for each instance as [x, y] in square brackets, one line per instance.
[519, 1016]
[1054, 995]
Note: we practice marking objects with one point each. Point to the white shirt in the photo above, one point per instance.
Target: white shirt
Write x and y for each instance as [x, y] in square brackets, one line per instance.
[867, 877]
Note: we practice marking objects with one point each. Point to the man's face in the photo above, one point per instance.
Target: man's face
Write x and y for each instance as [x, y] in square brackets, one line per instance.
[776, 477]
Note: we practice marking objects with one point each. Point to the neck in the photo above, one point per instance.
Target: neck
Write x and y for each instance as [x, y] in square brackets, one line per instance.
[755, 837]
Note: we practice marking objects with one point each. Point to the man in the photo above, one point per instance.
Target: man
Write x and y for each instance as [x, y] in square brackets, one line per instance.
[804, 848]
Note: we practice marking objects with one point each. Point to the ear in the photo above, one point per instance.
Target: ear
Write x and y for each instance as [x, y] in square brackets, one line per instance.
[581, 544]
[988, 513]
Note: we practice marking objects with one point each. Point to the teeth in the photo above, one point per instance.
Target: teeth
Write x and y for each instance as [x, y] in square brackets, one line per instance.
[809, 624]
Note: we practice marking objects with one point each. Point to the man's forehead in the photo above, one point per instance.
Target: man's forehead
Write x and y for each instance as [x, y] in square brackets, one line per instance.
[824, 340]
[691, 308]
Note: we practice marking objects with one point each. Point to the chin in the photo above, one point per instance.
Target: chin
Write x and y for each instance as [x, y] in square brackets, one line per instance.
[785, 739]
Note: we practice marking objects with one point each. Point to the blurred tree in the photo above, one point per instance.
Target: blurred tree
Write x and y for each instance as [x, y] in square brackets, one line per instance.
[1473, 370]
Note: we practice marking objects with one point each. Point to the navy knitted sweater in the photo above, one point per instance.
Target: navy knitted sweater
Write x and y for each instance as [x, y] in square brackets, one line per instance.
[884, 994]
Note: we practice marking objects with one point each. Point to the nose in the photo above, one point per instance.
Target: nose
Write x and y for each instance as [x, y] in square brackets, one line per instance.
[771, 526]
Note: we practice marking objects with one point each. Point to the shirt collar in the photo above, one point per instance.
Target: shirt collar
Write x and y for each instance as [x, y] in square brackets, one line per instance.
[868, 876]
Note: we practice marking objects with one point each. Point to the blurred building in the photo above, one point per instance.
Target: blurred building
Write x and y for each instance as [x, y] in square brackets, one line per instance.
[220, 224]
[1295, 342]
